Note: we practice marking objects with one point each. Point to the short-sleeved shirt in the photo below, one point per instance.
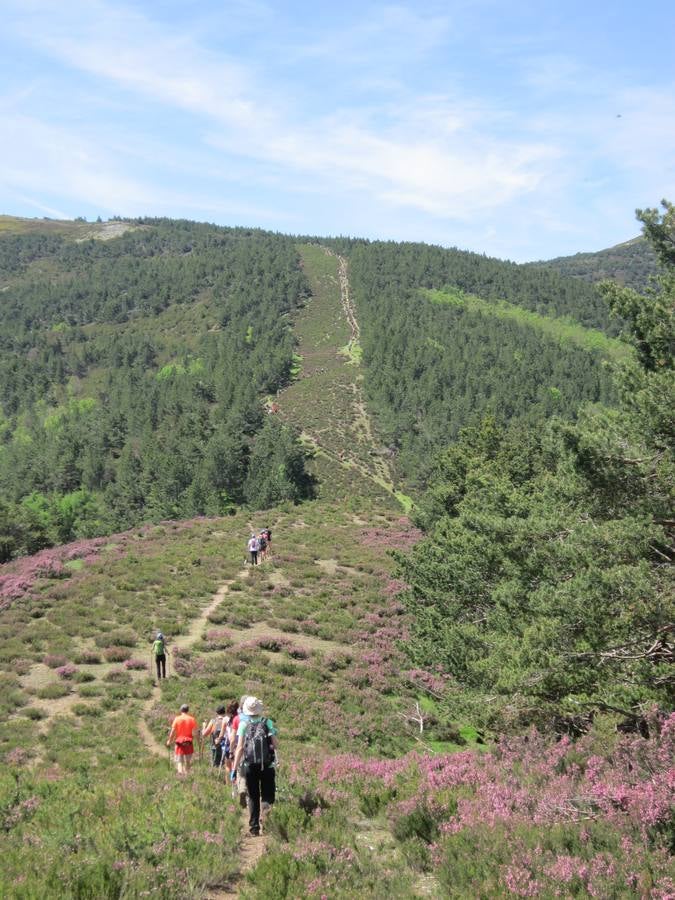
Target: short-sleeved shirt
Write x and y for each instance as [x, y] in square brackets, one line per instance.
[246, 719]
[183, 726]
[158, 647]
[254, 545]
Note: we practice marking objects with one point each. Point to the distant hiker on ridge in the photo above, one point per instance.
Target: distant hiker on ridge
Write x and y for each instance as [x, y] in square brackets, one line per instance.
[184, 731]
[253, 547]
[159, 654]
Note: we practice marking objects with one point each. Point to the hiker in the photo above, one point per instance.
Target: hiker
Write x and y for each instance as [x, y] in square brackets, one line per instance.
[184, 731]
[253, 547]
[257, 749]
[228, 733]
[268, 537]
[214, 730]
[159, 654]
[237, 773]
[262, 543]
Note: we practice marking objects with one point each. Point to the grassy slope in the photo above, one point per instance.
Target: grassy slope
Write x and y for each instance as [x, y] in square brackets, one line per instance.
[313, 630]
[561, 330]
[88, 804]
[64, 227]
[326, 401]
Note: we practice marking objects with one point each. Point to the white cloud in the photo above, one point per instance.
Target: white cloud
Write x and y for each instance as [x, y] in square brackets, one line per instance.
[432, 155]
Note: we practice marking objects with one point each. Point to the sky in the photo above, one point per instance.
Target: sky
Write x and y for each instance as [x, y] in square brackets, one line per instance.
[521, 129]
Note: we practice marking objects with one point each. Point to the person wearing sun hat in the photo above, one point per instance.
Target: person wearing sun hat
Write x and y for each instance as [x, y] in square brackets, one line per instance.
[257, 751]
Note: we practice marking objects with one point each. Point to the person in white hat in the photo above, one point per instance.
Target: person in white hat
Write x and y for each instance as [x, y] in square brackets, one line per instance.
[257, 752]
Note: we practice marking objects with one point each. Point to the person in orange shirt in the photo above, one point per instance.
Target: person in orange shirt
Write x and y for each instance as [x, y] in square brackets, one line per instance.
[184, 731]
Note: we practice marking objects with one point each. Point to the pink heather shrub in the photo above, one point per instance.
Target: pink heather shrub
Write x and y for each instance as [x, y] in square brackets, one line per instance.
[434, 683]
[218, 639]
[183, 665]
[615, 809]
[402, 537]
[67, 672]
[135, 664]
[117, 654]
[88, 657]
[117, 675]
[22, 666]
[18, 577]
[392, 587]
[54, 660]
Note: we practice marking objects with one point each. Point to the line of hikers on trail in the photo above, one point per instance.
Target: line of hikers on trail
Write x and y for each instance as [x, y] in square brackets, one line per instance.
[244, 747]
[259, 546]
[243, 742]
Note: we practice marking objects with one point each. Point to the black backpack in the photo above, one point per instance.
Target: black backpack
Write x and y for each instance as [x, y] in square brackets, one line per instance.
[217, 725]
[257, 746]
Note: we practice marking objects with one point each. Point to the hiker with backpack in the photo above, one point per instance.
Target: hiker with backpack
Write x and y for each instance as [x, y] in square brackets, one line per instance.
[227, 736]
[159, 655]
[262, 544]
[184, 731]
[215, 730]
[268, 538]
[257, 750]
[253, 547]
[237, 773]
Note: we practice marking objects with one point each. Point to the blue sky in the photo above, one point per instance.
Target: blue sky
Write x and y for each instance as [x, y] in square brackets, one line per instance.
[524, 130]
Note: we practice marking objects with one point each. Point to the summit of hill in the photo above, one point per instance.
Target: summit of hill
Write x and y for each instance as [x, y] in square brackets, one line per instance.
[632, 263]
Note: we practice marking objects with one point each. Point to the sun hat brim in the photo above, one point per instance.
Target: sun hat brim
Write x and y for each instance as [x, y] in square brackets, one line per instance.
[253, 706]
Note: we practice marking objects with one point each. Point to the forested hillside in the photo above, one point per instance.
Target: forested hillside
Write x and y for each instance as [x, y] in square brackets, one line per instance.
[132, 373]
[544, 585]
[434, 367]
[471, 701]
[134, 369]
[631, 264]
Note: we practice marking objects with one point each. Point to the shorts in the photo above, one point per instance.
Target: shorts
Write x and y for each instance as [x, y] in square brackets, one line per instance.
[185, 748]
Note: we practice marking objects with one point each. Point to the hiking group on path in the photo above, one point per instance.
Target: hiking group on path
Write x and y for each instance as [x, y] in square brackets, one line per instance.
[243, 742]
[243, 745]
[258, 547]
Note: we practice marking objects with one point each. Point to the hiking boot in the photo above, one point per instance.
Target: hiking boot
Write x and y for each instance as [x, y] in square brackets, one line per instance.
[254, 832]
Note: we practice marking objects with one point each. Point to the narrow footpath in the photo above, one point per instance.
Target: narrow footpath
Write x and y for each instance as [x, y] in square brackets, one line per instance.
[250, 848]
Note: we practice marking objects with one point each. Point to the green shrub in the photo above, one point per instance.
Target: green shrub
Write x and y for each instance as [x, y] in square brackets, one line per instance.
[53, 691]
[34, 713]
[87, 709]
[417, 854]
[121, 637]
[91, 690]
[117, 676]
[420, 823]
[374, 800]
[287, 822]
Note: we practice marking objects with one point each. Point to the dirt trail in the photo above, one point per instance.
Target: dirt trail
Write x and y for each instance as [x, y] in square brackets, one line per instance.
[250, 848]
[182, 642]
[378, 468]
[249, 853]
